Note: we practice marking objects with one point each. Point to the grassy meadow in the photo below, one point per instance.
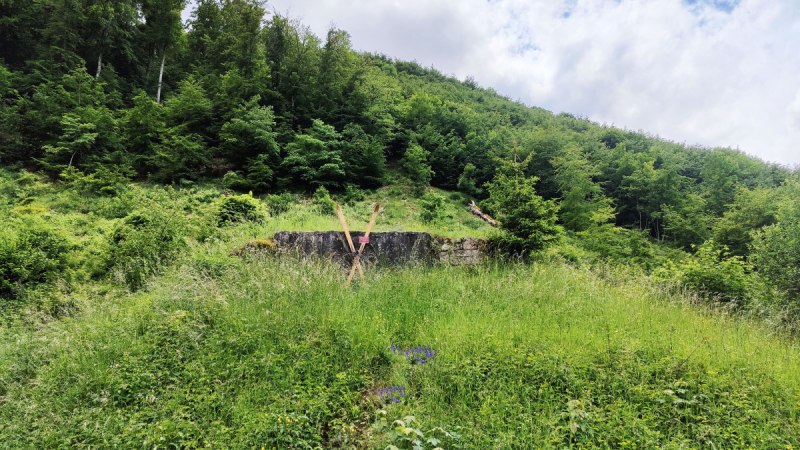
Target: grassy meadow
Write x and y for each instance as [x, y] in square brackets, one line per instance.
[217, 351]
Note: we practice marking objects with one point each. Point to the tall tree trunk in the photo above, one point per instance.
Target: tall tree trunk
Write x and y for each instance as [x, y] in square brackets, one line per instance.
[161, 74]
[99, 66]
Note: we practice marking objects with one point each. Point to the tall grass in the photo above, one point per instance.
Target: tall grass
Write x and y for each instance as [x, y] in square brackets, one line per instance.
[276, 353]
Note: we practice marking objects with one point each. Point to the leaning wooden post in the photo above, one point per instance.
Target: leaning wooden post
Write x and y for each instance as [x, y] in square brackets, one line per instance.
[363, 241]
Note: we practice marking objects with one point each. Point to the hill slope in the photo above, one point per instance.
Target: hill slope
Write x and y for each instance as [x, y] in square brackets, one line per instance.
[264, 352]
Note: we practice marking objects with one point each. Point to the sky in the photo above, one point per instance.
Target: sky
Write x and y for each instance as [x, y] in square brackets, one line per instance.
[714, 73]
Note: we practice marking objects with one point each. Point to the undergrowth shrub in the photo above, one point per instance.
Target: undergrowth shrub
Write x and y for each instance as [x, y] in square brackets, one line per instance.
[278, 204]
[235, 182]
[323, 202]
[101, 182]
[623, 246]
[714, 273]
[352, 194]
[432, 205]
[239, 208]
[31, 253]
[25, 186]
[145, 243]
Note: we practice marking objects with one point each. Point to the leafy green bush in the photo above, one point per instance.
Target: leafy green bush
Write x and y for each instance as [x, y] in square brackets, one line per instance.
[235, 182]
[406, 433]
[352, 194]
[323, 202]
[416, 166]
[101, 182]
[31, 253]
[623, 246]
[239, 208]
[278, 204]
[776, 248]
[145, 243]
[432, 205]
[713, 272]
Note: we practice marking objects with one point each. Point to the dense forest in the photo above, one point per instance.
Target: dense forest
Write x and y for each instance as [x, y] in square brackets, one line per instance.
[106, 90]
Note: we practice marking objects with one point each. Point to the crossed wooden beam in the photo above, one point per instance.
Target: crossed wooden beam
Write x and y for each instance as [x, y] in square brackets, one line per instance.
[363, 241]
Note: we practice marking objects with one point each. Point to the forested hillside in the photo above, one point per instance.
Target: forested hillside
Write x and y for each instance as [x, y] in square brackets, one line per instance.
[124, 90]
[640, 293]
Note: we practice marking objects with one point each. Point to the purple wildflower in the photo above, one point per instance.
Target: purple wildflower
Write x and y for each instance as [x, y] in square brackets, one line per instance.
[392, 394]
[419, 354]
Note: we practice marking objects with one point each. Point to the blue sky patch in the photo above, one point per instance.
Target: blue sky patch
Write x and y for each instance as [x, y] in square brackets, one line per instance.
[722, 5]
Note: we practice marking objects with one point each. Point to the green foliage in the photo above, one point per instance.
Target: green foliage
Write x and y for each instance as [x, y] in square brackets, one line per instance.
[102, 182]
[145, 243]
[363, 157]
[431, 204]
[31, 253]
[415, 164]
[528, 220]
[234, 181]
[323, 202]
[625, 247]
[352, 194]
[278, 204]
[190, 109]
[239, 208]
[143, 125]
[249, 135]
[583, 204]
[686, 224]
[314, 158]
[89, 135]
[750, 211]
[405, 434]
[713, 272]
[467, 181]
[776, 253]
[179, 156]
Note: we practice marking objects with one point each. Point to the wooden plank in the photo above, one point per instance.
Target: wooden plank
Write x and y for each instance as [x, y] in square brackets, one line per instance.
[357, 258]
[344, 227]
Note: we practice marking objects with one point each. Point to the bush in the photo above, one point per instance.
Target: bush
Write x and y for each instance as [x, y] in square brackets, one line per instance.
[235, 182]
[102, 182]
[713, 272]
[145, 243]
[353, 194]
[278, 204]
[776, 254]
[432, 205]
[31, 253]
[239, 208]
[323, 202]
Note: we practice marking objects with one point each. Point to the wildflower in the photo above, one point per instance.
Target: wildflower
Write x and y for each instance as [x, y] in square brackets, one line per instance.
[392, 394]
[419, 354]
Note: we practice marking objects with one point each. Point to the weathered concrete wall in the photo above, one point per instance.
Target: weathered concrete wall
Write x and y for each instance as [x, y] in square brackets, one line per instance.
[462, 252]
[387, 248]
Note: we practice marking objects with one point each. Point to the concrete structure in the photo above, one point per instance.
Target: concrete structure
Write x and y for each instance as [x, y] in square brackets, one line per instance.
[386, 248]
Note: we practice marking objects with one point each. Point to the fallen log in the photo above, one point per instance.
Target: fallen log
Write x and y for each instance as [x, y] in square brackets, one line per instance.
[477, 211]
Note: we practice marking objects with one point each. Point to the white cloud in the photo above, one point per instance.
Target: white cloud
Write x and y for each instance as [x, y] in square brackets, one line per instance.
[690, 71]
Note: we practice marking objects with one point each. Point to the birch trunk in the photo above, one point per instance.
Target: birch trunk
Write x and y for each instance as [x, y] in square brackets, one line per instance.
[99, 66]
[161, 75]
